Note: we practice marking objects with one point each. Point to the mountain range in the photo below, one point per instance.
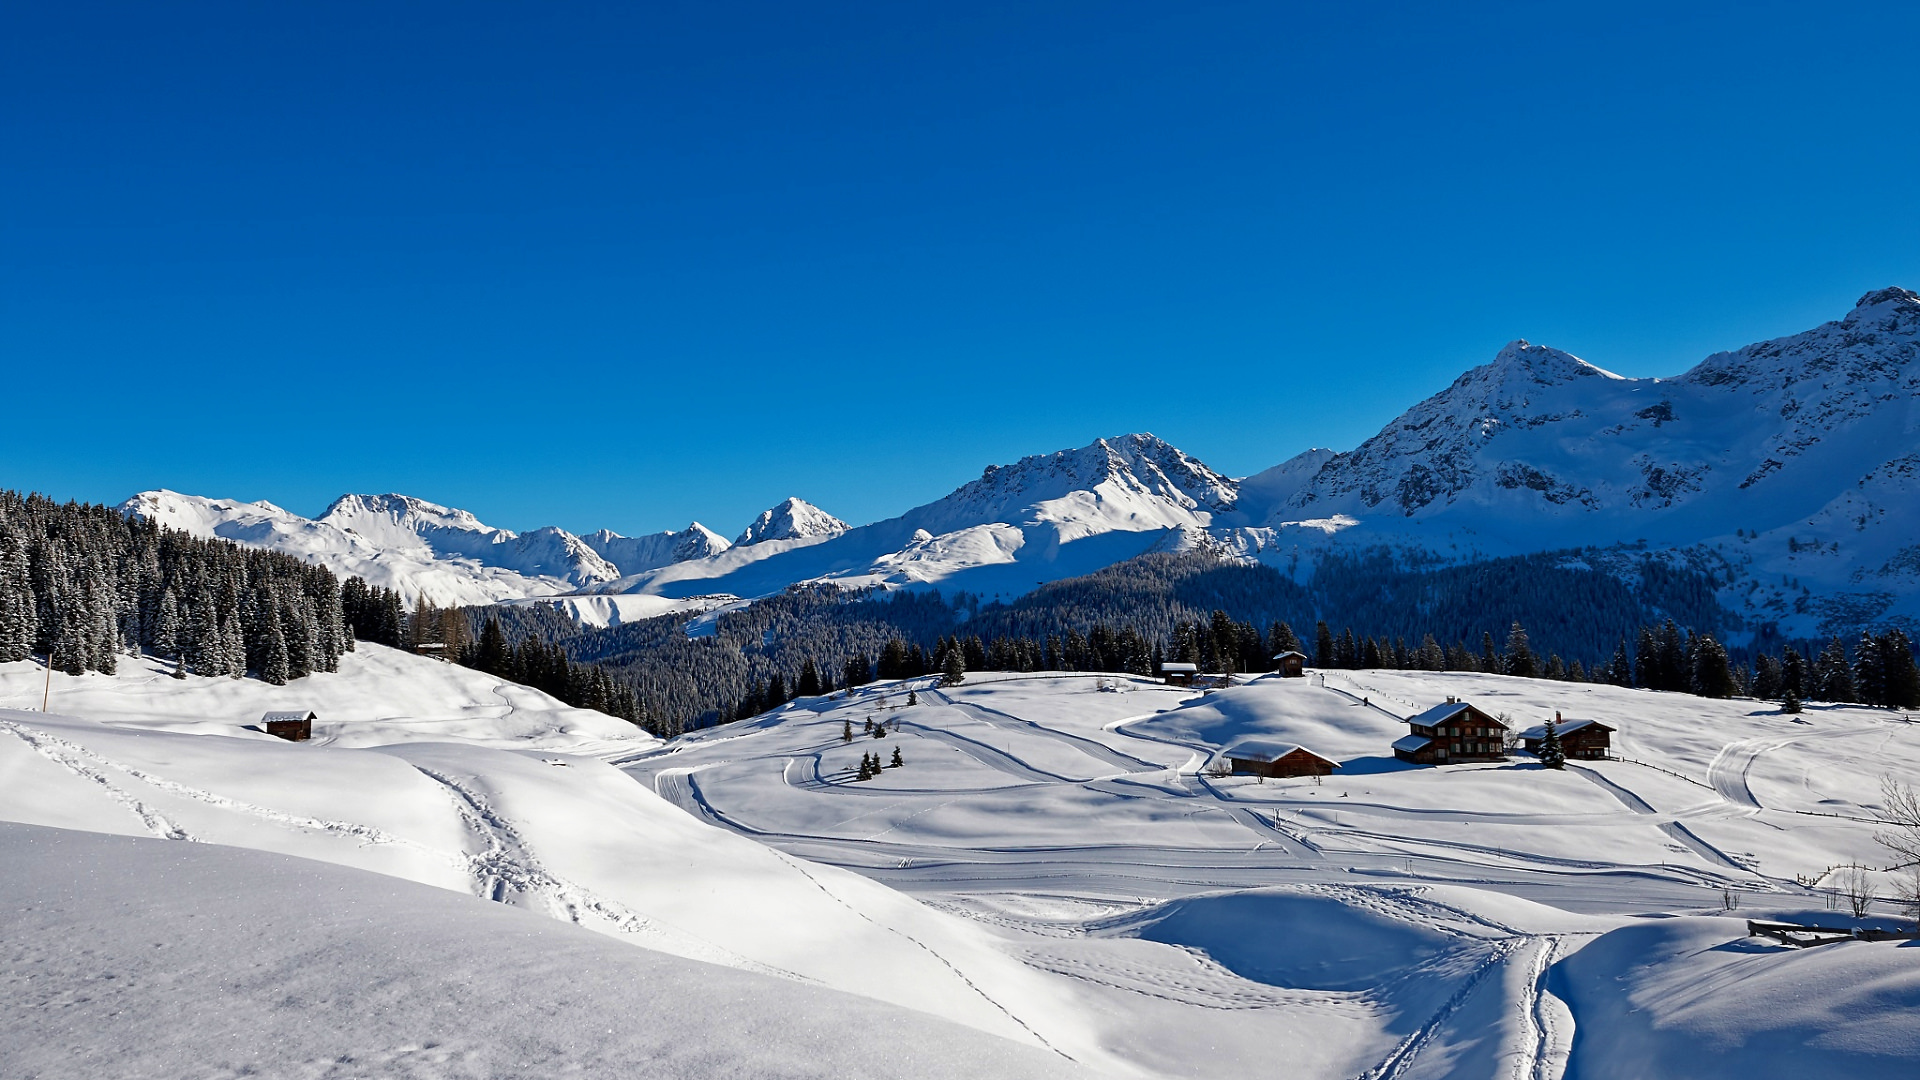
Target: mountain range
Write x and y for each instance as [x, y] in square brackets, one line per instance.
[1790, 469]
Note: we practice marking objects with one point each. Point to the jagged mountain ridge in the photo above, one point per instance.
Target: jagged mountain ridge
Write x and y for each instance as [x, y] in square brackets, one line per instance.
[1792, 461]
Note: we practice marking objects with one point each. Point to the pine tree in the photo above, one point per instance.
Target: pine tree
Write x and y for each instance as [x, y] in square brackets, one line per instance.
[1519, 659]
[897, 760]
[809, 684]
[1322, 645]
[913, 697]
[1902, 675]
[1551, 754]
[1711, 676]
[1832, 674]
[846, 731]
[1790, 701]
[955, 671]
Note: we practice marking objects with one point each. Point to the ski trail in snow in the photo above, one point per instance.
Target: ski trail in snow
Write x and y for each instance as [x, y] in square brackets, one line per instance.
[1402, 1056]
[70, 757]
[1100, 751]
[924, 947]
[509, 869]
[367, 834]
[1673, 829]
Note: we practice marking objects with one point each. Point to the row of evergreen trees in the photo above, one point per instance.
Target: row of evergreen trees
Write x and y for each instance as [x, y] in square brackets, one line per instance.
[532, 663]
[83, 585]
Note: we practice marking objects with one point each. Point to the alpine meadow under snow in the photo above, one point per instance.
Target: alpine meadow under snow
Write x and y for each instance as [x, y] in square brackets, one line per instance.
[932, 821]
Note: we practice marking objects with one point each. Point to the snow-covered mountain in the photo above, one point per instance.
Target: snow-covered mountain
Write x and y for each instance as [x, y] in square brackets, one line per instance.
[421, 549]
[635, 554]
[1793, 465]
[1793, 457]
[793, 519]
[1041, 518]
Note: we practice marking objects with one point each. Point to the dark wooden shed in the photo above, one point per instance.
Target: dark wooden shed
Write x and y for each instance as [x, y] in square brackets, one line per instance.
[294, 726]
[1264, 757]
[1451, 732]
[1585, 740]
[1180, 674]
[1290, 665]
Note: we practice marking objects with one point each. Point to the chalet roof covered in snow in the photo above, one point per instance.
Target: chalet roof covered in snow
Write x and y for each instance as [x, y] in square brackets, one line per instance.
[1289, 652]
[1266, 750]
[289, 714]
[1442, 713]
[1411, 744]
[1180, 667]
[1539, 731]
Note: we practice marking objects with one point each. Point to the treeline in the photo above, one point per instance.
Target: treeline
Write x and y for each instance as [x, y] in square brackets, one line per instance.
[83, 585]
[692, 673]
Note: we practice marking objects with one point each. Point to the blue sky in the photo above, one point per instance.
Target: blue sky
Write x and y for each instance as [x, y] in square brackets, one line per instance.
[626, 265]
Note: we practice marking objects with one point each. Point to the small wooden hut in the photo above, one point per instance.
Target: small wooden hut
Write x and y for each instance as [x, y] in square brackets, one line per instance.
[1178, 674]
[1290, 665]
[294, 726]
[1265, 757]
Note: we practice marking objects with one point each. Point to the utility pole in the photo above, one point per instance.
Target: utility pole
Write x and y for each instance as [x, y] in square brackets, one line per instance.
[46, 692]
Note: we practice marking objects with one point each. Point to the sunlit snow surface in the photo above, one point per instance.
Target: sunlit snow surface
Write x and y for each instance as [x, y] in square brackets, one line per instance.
[1052, 868]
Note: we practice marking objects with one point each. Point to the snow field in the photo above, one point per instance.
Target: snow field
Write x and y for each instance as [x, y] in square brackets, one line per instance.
[1389, 920]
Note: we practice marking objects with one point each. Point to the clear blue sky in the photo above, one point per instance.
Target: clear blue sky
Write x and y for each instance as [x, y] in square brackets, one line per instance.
[625, 265]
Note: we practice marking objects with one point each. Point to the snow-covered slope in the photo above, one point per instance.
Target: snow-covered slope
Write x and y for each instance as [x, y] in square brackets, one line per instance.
[131, 957]
[793, 519]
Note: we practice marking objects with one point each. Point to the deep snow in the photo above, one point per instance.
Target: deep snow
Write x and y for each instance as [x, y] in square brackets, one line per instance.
[1053, 870]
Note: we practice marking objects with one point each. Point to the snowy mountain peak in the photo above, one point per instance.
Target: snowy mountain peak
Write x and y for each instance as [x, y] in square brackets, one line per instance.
[1894, 298]
[792, 519]
[1521, 361]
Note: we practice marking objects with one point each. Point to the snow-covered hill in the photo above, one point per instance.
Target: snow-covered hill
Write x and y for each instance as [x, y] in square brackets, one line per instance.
[1052, 878]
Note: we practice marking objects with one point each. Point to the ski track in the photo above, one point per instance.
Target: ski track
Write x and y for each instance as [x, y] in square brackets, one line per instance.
[1402, 1057]
[1680, 833]
[1093, 748]
[801, 869]
[69, 757]
[508, 868]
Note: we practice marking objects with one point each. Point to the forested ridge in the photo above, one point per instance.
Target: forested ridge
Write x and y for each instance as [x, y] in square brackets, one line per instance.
[83, 585]
[1576, 619]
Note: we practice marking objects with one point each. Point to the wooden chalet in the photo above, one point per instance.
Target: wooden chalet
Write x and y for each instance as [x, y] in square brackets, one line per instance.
[1452, 732]
[1265, 757]
[1585, 740]
[295, 726]
[1180, 674]
[1290, 665]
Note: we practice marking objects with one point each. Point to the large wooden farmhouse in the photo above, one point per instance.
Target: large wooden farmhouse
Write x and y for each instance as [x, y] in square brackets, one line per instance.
[1586, 740]
[1451, 732]
[1265, 757]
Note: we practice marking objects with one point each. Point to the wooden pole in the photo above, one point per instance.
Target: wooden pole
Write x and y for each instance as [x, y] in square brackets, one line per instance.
[47, 691]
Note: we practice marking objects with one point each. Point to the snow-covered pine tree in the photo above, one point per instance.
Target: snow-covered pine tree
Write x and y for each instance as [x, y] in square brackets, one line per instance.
[1833, 674]
[897, 759]
[955, 671]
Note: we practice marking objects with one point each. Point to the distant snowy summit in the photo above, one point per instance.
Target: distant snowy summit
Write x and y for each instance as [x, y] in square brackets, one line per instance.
[793, 519]
[1795, 462]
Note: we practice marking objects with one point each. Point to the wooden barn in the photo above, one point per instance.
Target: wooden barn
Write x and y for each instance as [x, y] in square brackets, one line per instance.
[1451, 732]
[1290, 665]
[1180, 674]
[1265, 757]
[1584, 740]
[295, 726]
